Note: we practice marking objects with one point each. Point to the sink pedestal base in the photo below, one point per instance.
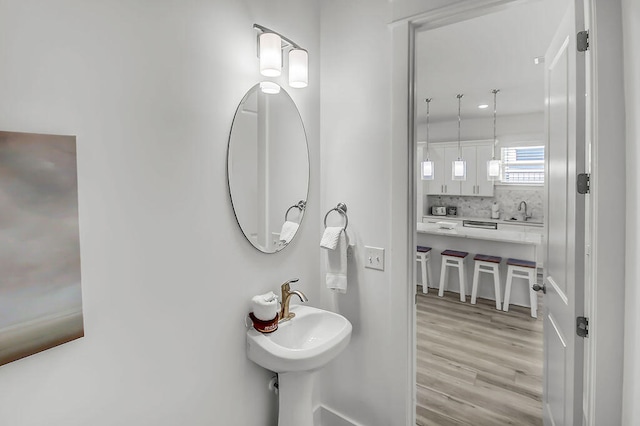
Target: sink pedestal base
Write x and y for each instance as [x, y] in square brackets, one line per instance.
[295, 391]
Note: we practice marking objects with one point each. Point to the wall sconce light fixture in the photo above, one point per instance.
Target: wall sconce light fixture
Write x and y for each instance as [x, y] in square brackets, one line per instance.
[298, 68]
[271, 44]
[270, 54]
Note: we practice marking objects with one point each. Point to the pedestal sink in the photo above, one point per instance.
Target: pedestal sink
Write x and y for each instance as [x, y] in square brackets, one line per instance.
[296, 350]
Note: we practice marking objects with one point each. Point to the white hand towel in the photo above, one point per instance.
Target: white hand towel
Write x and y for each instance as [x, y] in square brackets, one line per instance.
[330, 237]
[265, 306]
[336, 278]
[288, 231]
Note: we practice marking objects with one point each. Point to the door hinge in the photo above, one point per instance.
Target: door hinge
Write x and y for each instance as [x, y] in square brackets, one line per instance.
[584, 183]
[583, 41]
[582, 326]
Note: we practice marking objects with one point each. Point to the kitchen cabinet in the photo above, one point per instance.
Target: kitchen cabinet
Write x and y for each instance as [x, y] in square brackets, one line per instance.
[475, 153]
[477, 183]
[435, 186]
[443, 183]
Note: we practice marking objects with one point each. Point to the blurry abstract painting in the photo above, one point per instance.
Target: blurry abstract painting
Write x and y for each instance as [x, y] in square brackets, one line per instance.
[40, 295]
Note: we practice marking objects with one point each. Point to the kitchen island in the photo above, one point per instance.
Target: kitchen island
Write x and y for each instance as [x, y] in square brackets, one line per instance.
[520, 242]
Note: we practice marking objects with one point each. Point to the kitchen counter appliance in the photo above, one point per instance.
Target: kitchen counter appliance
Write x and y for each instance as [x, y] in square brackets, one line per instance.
[439, 211]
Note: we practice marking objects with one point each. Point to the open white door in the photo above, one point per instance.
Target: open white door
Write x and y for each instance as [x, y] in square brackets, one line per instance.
[565, 212]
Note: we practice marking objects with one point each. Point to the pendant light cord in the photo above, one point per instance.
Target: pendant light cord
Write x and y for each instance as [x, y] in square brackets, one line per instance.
[495, 96]
[428, 101]
[459, 149]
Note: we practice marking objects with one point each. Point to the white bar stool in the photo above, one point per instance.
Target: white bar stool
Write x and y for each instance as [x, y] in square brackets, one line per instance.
[525, 269]
[454, 259]
[489, 265]
[423, 255]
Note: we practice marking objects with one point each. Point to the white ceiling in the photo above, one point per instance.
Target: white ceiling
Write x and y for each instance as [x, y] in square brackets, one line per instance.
[494, 51]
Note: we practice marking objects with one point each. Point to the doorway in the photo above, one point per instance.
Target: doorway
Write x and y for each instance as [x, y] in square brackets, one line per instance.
[462, 59]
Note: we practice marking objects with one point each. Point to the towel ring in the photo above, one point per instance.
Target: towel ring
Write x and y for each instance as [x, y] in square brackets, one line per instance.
[342, 209]
[301, 205]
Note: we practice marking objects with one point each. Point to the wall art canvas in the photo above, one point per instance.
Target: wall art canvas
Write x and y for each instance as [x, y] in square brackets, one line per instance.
[40, 294]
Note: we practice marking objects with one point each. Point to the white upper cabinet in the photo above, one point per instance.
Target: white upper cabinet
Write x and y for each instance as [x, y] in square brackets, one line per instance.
[476, 154]
[451, 187]
[477, 182]
[435, 186]
[484, 153]
[469, 186]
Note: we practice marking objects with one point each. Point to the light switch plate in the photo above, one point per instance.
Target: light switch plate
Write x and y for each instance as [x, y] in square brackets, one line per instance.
[374, 258]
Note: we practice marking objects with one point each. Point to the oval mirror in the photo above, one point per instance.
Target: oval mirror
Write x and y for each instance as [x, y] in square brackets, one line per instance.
[268, 168]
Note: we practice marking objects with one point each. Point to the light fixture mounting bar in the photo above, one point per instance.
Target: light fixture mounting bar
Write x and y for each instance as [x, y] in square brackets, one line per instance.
[287, 42]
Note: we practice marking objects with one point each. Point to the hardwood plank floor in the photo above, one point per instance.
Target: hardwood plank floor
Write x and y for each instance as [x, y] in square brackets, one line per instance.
[476, 365]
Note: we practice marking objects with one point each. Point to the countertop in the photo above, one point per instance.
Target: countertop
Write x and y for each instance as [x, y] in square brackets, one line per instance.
[535, 222]
[528, 235]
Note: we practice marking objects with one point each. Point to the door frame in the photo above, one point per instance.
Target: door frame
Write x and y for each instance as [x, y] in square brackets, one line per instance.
[604, 369]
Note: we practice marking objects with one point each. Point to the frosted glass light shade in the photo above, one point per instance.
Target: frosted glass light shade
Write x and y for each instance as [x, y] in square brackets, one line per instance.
[459, 170]
[269, 87]
[298, 68]
[493, 169]
[427, 170]
[270, 54]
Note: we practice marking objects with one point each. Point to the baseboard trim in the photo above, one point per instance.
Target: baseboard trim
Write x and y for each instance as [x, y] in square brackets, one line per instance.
[324, 416]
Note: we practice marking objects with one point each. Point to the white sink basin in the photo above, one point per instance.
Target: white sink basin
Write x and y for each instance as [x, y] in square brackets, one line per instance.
[306, 342]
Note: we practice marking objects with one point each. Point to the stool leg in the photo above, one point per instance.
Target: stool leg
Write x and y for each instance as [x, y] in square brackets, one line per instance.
[474, 287]
[533, 295]
[507, 291]
[443, 277]
[425, 284]
[462, 276]
[429, 277]
[496, 284]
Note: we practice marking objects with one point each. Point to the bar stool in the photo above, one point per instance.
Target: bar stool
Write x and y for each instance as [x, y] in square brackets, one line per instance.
[489, 265]
[423, 255]
[454, 259]
[525, 269]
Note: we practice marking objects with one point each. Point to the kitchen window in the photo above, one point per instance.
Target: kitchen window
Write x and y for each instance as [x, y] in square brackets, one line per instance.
[522, 165]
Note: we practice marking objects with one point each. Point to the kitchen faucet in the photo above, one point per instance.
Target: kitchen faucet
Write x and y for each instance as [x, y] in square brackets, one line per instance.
[525, 216]
[286, 291]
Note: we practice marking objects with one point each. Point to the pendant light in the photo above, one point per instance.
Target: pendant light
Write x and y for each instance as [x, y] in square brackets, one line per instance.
[428, 171]
[493, 165]
[459, 166]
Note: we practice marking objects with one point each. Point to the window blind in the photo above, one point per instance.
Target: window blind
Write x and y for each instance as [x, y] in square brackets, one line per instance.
[523, 165]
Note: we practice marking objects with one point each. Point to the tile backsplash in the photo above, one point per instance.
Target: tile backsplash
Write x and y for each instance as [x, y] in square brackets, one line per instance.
[508, 198]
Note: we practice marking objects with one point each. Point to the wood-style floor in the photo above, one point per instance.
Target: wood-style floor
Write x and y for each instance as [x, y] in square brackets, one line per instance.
[477, 365]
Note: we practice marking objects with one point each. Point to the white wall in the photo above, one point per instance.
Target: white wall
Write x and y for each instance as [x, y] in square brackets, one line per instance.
[631, 35]
[363, 166]
[355, 112]
[150, 88]
[407, 8]
[509, 128]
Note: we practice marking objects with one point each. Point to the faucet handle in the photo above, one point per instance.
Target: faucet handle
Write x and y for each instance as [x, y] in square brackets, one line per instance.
[285, 286]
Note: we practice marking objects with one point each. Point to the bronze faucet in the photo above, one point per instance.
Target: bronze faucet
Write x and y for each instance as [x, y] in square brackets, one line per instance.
[285, 315]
